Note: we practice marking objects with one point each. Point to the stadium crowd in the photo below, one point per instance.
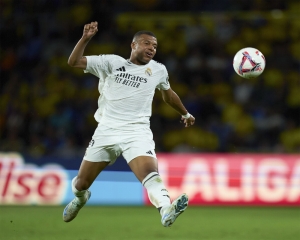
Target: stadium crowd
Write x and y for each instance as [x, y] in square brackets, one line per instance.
[47, 108]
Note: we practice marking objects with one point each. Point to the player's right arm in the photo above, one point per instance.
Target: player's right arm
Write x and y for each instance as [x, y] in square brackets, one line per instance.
[76, 58]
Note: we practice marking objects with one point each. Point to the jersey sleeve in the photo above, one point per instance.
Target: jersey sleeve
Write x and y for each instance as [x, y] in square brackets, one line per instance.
[164, 81]
[97, 64]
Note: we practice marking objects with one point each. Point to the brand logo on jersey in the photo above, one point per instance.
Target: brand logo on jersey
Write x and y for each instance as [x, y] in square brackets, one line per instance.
[148, 72]
[122, 69]
[129, 79]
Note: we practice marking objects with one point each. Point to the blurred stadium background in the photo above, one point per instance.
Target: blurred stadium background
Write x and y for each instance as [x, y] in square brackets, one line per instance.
[47, 108]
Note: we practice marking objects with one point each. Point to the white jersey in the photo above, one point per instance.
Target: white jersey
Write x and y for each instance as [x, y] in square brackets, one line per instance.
[126, 90]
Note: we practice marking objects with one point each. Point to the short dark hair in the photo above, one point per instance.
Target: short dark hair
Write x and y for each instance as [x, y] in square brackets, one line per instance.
[139, 33]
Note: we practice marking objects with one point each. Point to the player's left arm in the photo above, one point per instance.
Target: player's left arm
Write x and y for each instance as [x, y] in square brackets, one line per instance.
[173, 100]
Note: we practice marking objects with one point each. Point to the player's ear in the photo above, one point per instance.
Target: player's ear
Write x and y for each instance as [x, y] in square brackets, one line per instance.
[133, 45]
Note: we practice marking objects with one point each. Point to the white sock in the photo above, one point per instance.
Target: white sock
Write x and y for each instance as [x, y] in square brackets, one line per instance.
[157, 192]
[163, 209]
[79, 194]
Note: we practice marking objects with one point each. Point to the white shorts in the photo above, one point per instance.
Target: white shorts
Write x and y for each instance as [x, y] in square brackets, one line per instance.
[107, 144]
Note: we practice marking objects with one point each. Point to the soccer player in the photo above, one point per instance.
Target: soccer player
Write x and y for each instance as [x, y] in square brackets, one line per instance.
[126, 87]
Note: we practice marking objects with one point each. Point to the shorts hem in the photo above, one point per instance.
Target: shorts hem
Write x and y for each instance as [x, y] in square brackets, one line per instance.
[140, 155]
[90, 160]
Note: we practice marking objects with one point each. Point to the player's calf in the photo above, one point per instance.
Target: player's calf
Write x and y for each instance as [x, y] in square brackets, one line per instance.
[157, 192]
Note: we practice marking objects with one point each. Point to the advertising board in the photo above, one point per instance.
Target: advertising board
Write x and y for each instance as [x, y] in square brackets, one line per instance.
[232, 179]
[24, 183]
[208, 179]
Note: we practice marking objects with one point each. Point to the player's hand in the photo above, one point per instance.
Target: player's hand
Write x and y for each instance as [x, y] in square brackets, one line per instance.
[90, 30]
[188, 121]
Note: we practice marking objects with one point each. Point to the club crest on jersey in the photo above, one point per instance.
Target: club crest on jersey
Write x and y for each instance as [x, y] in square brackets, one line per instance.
[148, 72]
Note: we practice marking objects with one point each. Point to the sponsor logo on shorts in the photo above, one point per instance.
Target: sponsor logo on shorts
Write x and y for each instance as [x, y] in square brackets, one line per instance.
[149, 152]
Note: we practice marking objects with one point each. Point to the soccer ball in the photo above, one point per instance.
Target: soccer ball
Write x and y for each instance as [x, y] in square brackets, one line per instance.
[249, 62]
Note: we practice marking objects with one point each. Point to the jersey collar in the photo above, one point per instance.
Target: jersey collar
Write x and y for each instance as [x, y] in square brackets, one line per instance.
[132, 64]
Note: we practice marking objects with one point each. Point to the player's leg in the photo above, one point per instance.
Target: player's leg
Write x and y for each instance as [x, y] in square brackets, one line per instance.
[98, 155]
[87, 174]
[138, 150]
[146, 170]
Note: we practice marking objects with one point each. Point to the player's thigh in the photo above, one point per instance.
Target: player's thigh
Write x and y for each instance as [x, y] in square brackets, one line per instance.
[140, 155]
[141, 166]
[97, 156]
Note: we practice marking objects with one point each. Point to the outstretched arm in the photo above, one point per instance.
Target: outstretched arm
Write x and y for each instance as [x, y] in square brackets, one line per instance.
[76, 58]
[172, 99]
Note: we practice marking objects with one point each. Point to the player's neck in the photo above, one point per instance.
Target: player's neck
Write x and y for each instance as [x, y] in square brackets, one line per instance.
[136, 61]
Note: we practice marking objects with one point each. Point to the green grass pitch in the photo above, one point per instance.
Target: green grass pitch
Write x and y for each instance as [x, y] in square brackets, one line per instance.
[143, 223]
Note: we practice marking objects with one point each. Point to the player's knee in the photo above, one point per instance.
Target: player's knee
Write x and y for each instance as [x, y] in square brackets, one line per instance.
[82, 184]
[148, 168]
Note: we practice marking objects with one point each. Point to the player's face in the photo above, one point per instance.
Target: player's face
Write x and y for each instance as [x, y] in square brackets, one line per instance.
[144, 48]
